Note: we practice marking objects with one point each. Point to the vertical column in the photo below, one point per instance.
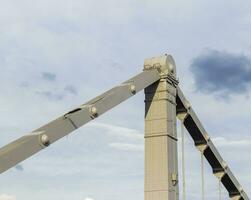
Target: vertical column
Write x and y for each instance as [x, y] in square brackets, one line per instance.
[161, 170]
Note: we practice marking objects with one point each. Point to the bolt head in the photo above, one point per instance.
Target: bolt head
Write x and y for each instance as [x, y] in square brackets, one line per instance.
[45, 140]
[207, 137]
[187, 105]
[224, 165]
[164, 64]
[93, 111]
[133, 89]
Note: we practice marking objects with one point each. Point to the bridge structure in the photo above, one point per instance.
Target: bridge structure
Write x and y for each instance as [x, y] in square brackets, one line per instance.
[164, 102]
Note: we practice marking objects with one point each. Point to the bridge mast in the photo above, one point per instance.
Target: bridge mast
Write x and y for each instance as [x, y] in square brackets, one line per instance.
[163, 101]
[161, 166]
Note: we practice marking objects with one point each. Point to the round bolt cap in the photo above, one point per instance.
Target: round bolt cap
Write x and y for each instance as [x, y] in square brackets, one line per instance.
[45, 140]
[207, 137]
[224, 165]
[93, 111]
[133, 89]
[187, 105]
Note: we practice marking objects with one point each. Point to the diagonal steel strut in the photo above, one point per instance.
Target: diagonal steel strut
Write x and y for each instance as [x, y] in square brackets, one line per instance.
[26, 146]
[205, 145]
[163, 96]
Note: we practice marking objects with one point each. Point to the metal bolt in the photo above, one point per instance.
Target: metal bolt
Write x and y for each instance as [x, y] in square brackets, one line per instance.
[45, 140]
[202, 147]
[207, 137]
[133, 89]
[187, 105]
[93, 112]
[174, 179]
[224, 165]
[171, 68]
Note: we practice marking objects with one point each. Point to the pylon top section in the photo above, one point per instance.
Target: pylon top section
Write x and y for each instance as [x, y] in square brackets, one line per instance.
[164, 64]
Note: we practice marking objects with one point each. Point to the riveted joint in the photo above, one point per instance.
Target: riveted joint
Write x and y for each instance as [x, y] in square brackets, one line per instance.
[202, 147]
[207, 137]
[224, 165]
[174, 179]
[187, 105]
[241, 190]
[93, 112]
[235, 196]
[165, 65]
[182, 116]
[219, 173]
[132, 88]
[44, 140]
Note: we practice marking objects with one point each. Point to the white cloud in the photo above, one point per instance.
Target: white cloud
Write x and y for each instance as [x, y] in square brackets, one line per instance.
[67, 39]
[124, 133]
[118, 130]
[88, 198]
[7, 197]
[223, 142]
[127, 146]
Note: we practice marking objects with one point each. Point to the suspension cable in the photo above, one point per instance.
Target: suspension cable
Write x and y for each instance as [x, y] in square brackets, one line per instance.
[183, 161]
[220, 193]
[202, 177]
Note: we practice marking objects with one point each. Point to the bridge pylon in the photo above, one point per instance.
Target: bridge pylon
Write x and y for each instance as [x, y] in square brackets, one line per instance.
[161, 159]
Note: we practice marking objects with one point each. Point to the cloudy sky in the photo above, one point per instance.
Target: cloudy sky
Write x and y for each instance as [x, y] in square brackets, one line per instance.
[55, 55]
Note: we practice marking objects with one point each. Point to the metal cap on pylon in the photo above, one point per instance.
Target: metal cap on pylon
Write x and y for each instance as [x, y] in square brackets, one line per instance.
[164, 64]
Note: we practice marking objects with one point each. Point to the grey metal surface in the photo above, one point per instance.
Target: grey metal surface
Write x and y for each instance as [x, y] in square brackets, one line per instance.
[203, 143]
[26, 146]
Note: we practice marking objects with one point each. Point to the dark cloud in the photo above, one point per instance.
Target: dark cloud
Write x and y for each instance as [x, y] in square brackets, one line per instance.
[111, 64]
[71, 89]
[221, 73]
[58, 95]
[49, 76]
[24, 84]
[51, 95]
[19, 168]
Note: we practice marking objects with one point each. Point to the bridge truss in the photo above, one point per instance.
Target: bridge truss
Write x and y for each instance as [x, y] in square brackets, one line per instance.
[164, 101]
